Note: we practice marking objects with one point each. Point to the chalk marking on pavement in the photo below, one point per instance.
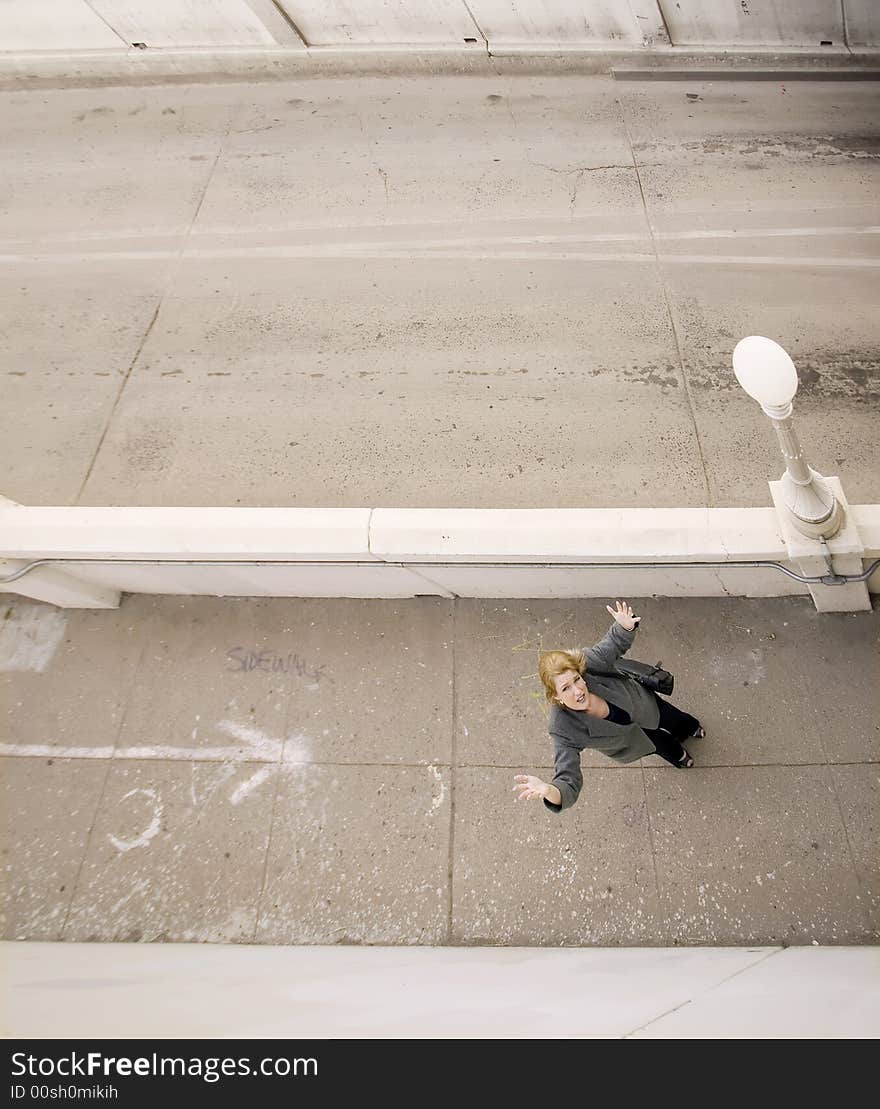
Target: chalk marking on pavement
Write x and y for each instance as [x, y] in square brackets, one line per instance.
[226, 770]
[259, 742]
[183, 754]
[437, 801]
[259, 748]
[30, 637]
[239, 794]
[155, 824]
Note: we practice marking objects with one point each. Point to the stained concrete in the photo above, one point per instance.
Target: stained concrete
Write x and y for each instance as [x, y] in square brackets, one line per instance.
[345, 776]
[403, 292]
[82, 668]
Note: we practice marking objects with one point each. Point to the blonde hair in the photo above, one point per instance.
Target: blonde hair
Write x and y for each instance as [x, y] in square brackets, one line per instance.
[553, 663]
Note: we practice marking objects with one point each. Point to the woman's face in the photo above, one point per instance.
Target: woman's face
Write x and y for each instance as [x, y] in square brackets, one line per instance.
[571, 691]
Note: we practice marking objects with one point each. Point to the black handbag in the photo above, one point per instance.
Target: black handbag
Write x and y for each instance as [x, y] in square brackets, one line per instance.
[652, 677]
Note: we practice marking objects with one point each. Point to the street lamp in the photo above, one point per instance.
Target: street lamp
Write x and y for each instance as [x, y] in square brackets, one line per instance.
[768, 375]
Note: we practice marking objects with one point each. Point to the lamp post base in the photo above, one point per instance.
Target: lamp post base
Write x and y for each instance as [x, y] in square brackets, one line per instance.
[847, 550]
[814, 509]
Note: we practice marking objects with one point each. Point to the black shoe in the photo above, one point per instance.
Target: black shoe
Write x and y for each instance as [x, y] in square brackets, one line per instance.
[700, 733]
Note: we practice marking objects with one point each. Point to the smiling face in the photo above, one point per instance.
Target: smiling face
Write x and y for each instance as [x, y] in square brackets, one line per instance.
[571, 691]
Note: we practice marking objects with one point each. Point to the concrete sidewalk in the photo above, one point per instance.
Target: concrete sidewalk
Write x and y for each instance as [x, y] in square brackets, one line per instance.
[191, 990]
[341, 771]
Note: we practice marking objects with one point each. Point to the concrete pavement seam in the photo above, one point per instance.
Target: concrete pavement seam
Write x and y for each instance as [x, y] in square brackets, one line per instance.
[764, 955]
[670, 313]
[61, 753]
[108, 24]
[829, 765]
[278, 765]
[119, 393]
[653, 851]
[146, 335]
[110, 759]
[480, 30]
[450, 869]
[869, 923]
[265, 874]
[288, 19]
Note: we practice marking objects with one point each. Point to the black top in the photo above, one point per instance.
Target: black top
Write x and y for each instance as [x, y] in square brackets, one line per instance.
[616, 715]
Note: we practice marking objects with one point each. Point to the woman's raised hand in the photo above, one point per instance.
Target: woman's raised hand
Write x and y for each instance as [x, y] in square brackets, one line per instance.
[530, 788]
[623, 614]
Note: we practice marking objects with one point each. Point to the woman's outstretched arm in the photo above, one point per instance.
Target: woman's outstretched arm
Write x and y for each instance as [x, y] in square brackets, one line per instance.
[620, 637]
[565, 788]
[530, 788]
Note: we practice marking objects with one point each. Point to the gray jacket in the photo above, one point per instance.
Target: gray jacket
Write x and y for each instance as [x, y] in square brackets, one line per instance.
[572, 732]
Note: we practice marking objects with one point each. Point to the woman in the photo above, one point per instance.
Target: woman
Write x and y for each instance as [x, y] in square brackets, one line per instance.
[614, 714]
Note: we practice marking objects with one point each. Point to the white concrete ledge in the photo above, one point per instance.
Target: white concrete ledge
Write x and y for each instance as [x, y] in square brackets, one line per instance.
[576, 535]
[95, 554]
[866, 517]
[308, 534]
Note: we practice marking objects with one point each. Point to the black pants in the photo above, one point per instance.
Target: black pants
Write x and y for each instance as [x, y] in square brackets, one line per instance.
[674, 726]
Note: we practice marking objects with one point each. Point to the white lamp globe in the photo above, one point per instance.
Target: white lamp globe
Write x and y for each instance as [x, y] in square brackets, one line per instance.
[765, 371]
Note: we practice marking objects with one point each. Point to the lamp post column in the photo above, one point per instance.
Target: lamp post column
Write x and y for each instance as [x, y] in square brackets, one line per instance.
[815, 511]
[811, 508]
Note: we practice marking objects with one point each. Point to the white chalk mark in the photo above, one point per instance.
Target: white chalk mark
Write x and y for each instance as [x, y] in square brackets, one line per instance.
[260, 744]
[438, 800]
[224, 772]
[244, 788]
[155, 824]
[298, 748]
[182, 754]
[30, 636]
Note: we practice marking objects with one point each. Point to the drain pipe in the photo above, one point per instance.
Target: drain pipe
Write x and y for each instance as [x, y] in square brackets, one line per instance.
[831, 578]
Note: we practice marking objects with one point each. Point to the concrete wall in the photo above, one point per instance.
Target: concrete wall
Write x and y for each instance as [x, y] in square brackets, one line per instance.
[163, 23]
[862, 18]
[410, 552]
[755, 22]
[535, 22]
[76, 25]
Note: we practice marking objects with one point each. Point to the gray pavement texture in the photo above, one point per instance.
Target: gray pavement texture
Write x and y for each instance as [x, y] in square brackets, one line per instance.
[341, 772]
[467, 291]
